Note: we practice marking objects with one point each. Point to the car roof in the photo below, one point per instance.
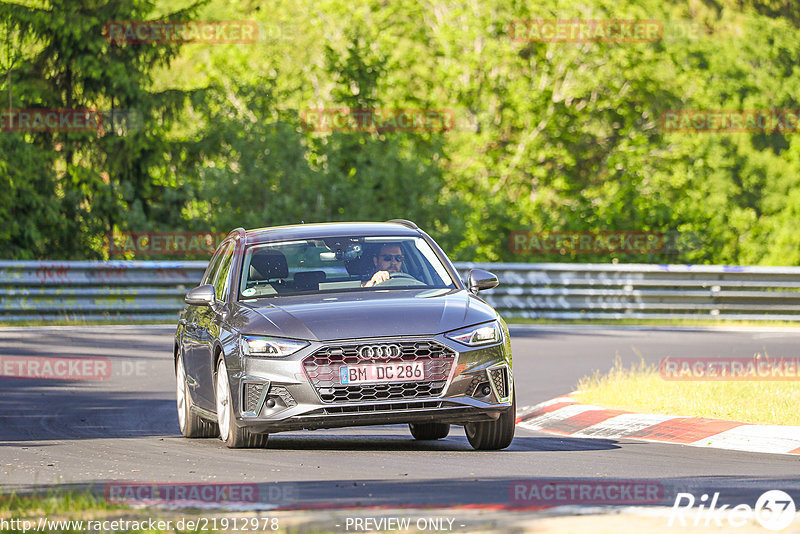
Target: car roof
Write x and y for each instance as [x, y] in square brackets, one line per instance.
[325, 230]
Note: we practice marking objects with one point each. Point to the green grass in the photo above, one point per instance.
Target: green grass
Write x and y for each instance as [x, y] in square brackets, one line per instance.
[641, 389]
[62, 507]
[53, 503]
[54, 506]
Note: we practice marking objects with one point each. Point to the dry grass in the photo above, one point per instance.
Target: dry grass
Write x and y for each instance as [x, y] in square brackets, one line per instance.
[640, 388]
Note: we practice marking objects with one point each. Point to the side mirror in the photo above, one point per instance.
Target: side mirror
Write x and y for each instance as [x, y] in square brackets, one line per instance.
[201, 296]
[479, 279]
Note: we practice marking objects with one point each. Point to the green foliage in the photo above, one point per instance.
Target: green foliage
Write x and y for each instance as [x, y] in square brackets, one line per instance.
[75, 186]
[547, 136]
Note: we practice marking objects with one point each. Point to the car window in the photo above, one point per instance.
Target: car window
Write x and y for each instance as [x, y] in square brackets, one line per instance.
[340, 264]
[211, 270]
[222, 278]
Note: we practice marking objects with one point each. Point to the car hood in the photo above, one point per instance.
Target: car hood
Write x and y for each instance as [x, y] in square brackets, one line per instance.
[366, 314]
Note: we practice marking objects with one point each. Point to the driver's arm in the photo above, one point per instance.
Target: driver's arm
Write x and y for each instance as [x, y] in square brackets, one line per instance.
[377, 278]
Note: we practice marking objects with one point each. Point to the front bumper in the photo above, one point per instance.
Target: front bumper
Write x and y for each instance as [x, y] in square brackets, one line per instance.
[469, 385]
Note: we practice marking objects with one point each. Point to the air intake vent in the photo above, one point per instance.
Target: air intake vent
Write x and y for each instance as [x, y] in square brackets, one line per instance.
[283, 393]
[252, 394]
[499, 378]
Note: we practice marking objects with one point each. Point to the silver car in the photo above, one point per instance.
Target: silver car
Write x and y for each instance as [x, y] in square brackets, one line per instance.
[336, 325]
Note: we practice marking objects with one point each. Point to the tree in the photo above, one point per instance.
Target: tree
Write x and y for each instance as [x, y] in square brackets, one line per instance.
[119, 174]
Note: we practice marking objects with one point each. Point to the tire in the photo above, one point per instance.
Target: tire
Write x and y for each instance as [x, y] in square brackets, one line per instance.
[429, 431]
[235, 437]
[494, 435]
[191, 424]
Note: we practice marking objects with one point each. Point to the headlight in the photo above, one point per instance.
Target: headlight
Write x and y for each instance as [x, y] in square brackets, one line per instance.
[482, 334]
[269, 347]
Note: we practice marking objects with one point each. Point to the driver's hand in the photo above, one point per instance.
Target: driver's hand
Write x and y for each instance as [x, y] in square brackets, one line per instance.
[377, 278]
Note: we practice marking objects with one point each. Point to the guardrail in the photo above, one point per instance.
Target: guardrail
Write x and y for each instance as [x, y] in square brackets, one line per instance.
[94, 290]
[154, 290]
[641, 291]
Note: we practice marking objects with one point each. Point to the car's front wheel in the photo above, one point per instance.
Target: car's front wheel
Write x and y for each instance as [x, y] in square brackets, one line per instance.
[191, 424]
[493, 435]
[235, 437]
[429, 431]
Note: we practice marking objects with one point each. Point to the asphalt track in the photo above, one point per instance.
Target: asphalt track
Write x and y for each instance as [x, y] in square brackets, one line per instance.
[124, 428]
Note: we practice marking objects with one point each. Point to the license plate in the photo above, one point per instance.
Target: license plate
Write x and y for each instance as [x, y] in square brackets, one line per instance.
[382, 372]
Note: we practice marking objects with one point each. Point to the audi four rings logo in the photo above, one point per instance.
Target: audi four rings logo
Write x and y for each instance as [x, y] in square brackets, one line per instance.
[380, 351]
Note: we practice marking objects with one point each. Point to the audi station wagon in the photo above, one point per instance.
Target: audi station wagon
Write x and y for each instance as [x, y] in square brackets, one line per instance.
[336, 325]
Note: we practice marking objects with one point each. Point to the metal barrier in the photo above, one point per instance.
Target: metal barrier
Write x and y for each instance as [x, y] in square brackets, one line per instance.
[154, 290]
[641, 291]
[94, 290]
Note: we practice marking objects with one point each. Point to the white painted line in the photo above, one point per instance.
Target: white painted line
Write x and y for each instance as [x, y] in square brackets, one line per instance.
[755, 438]
[770, 439]
[620, 425]
[522, 410]
[537, 423]
[550, 402]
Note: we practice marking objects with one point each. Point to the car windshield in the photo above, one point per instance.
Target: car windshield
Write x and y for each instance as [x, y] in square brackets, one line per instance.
[340, 264]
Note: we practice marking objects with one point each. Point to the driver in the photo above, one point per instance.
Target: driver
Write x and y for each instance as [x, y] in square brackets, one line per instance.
[389, 259]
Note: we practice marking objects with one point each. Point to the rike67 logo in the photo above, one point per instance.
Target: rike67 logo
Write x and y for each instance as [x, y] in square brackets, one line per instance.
[774, 510]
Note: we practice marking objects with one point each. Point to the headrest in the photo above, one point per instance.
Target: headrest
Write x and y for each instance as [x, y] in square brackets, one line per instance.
[309, 279]
[268, 264]
[359, 266]
[364, 266]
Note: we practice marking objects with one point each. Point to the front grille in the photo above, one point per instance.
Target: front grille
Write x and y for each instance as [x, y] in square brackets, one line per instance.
[402, 406]
[322, 370]
[384, 407]
[370, 392]
[252, 393]
[500, 381]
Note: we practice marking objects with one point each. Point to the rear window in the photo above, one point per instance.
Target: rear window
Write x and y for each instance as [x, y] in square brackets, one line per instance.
[340, 264]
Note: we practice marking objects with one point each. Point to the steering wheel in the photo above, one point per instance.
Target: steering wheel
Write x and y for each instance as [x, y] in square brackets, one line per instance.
[400, 280]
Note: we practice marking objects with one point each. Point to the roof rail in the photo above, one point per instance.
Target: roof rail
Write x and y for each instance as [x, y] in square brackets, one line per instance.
[404, 222]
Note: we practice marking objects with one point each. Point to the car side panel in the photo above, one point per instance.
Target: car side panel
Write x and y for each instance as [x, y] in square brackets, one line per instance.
[203, 357]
